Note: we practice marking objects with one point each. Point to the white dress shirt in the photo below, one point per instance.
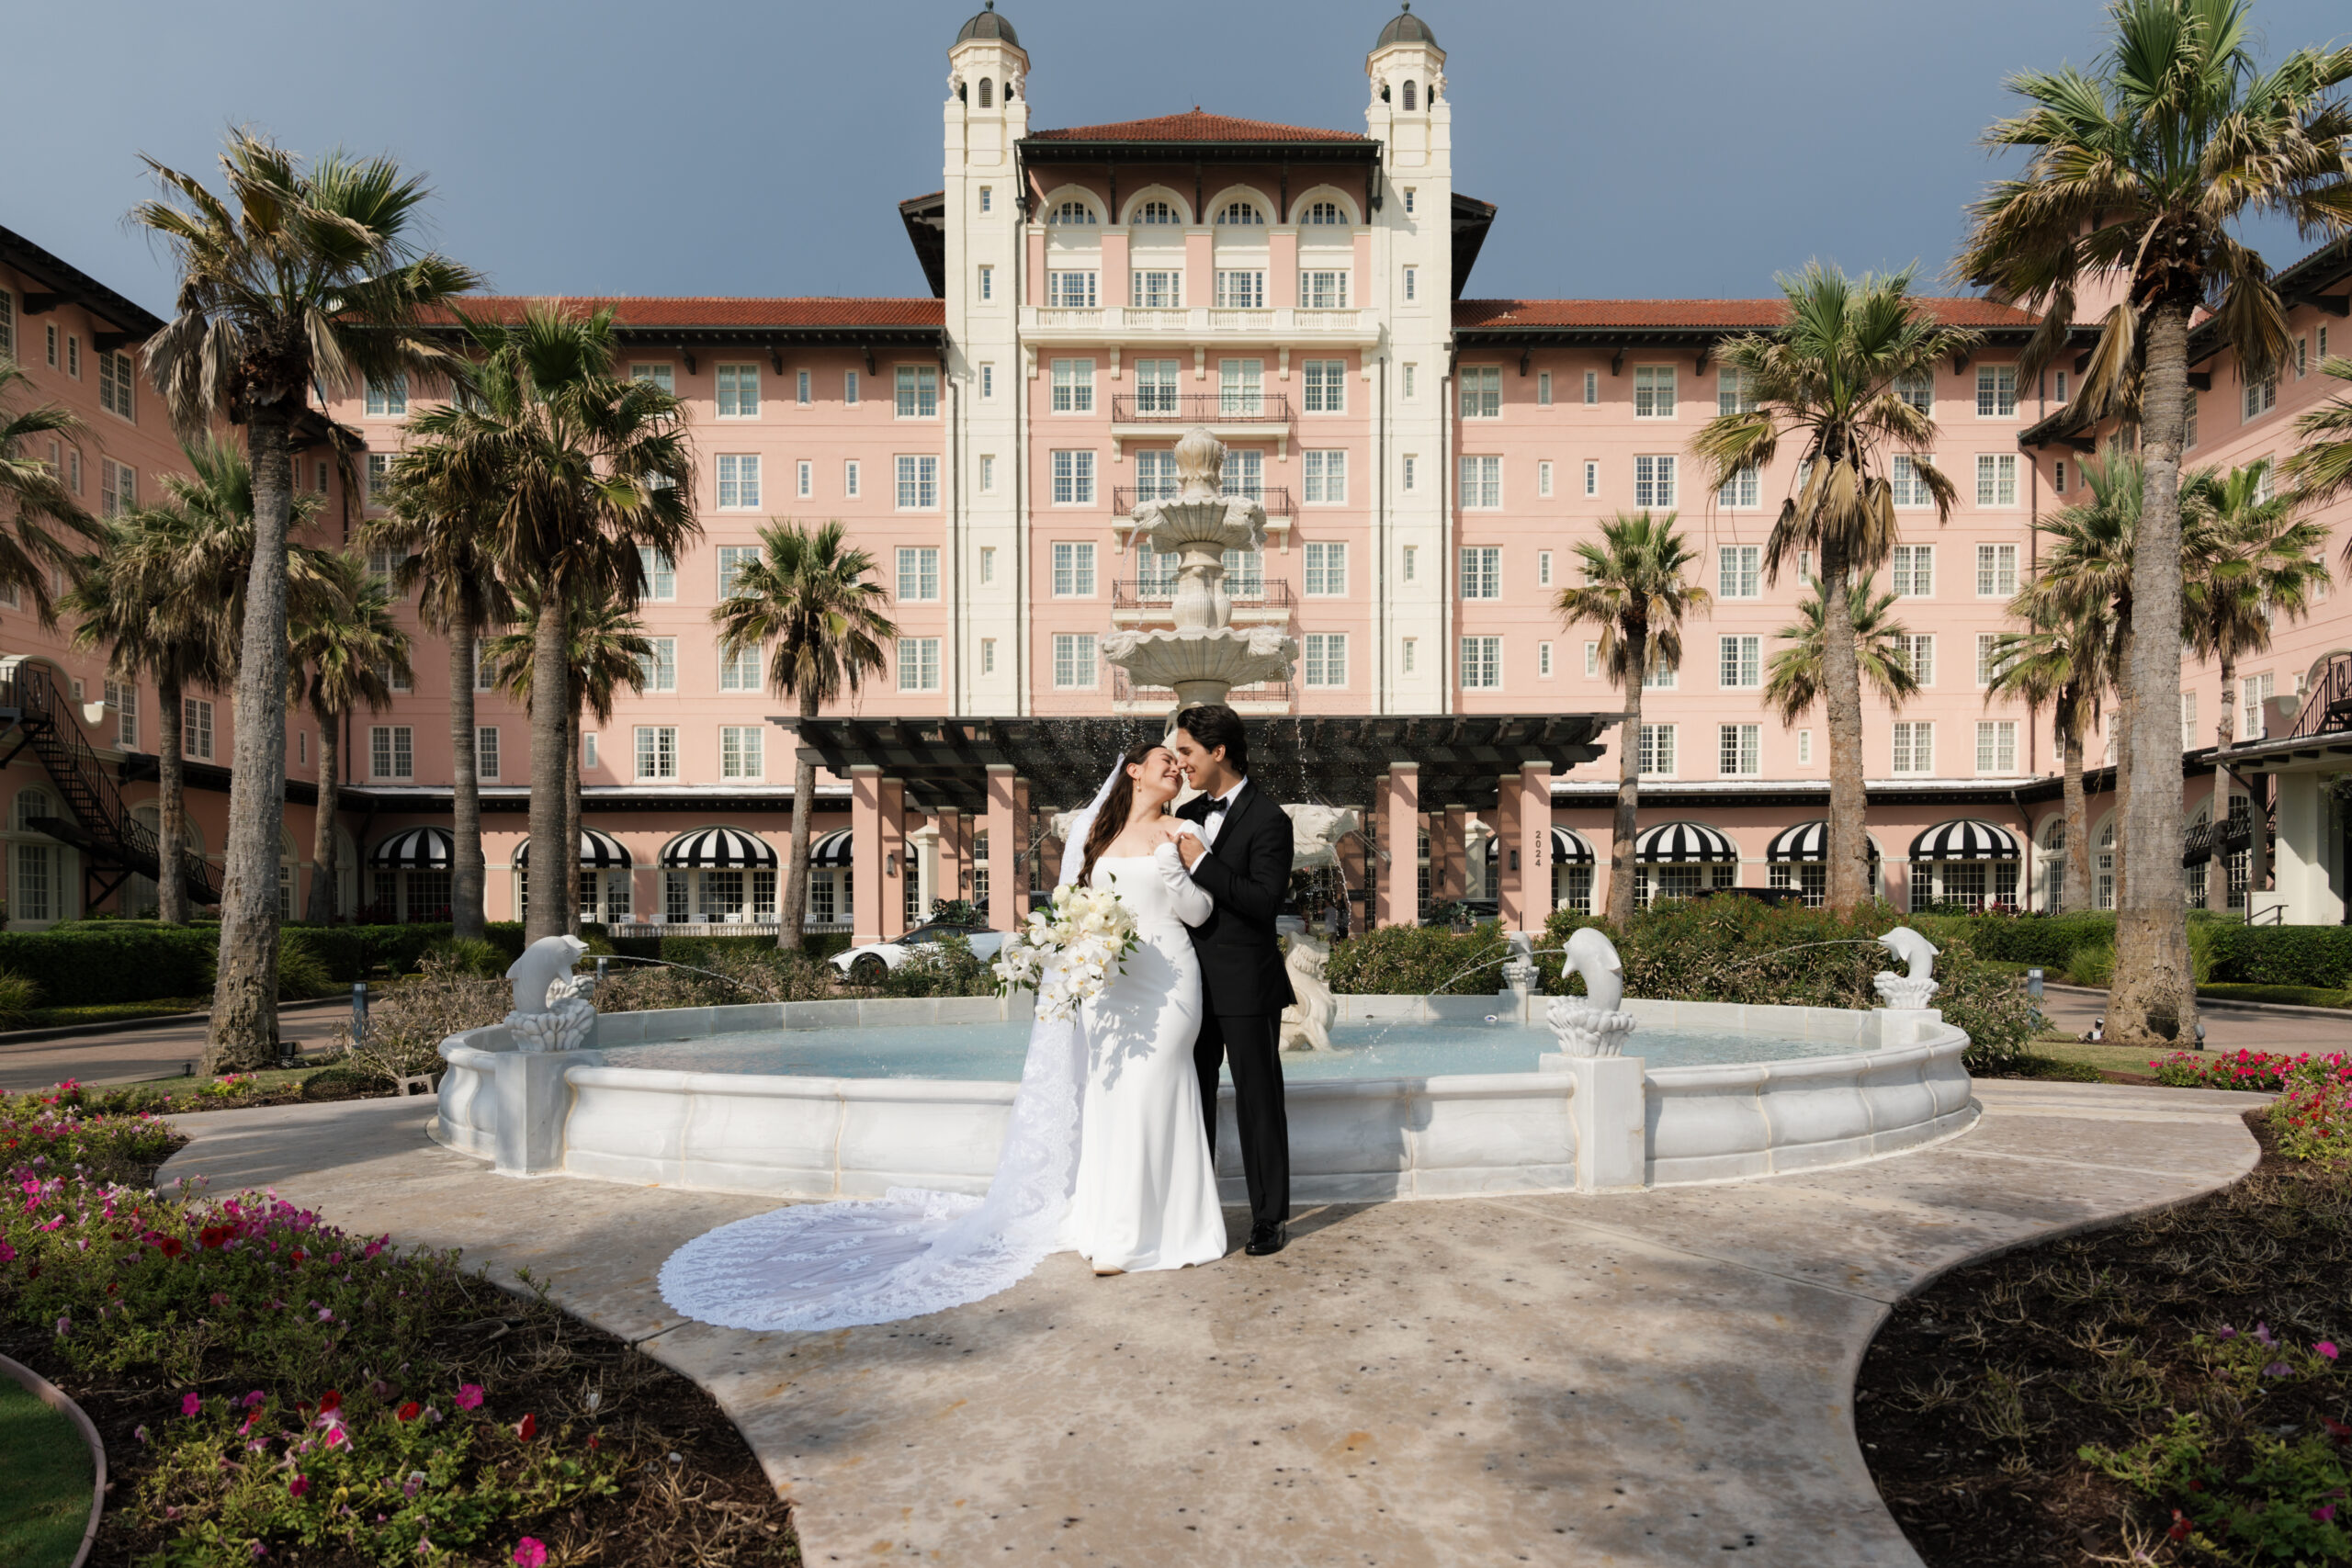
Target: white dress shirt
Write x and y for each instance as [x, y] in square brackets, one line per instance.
[1207, 831]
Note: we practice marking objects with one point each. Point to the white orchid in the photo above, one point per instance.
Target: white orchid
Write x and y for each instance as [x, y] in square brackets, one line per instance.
[1069, 951]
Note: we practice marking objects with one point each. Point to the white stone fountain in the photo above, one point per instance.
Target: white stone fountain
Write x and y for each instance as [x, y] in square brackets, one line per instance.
[1204, 657]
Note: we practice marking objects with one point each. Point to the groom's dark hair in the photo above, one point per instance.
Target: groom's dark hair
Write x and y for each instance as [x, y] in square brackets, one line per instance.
[1215, 725]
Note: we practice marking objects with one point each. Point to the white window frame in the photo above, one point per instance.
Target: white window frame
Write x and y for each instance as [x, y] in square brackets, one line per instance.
[1076, 661]
[915, 393]
[1073, 476]
[1996, 570]
[1739, 571]
[1995, 737]
[1654, 391]
[742, 671]
[1656, 759]
[1914, 571]
[659, 664]
[656, 752]
[1482, 571]
[1326, 569]
[737, 390]
[1740, 662]
[1324, 662]
[1481, 392]
[1324, 386]
[917, 482]
[1323, 476]
[1482, 663]
[1073, 567]
[391, 752]
[486, 758]
[743, 752]
[1073, 386]
[1914, 747]
[737, 474]
[917, 662]
[1997, 391]
[1654, 481]
[1997, 479]
[1739, 751]
[917, 574]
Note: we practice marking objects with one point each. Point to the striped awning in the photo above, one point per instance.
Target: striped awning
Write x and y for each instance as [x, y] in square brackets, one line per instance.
[830, 851]
[1569, 848]
[1808, 843]
[717, 849]
[416, 849]
[598, 852]
[1681, 843]
[1965, 840]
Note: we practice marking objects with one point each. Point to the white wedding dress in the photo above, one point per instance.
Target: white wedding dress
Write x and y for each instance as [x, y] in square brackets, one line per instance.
[1129, 1113]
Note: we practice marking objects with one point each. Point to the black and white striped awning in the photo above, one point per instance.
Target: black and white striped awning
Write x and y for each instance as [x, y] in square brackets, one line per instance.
[1681, 843]
[1808, 843]
[1569, 848]
[598, 852]
[830, 851]
[713, 849]
[416, 849]
[1965, 840]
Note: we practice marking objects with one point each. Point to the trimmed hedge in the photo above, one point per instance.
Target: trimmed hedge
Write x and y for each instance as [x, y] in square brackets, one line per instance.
[2283, 955]
[113, 961]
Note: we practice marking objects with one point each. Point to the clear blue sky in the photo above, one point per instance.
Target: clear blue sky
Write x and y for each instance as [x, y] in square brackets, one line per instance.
[717, 147]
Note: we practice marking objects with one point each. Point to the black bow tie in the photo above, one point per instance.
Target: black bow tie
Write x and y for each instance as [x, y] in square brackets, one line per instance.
[1216, 806]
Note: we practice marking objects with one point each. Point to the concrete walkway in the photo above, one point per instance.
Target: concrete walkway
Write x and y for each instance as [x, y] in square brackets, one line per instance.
[154, 1049]
[1659, 1377]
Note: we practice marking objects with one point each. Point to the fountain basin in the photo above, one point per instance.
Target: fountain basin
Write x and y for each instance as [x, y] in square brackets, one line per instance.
[1841, 1086]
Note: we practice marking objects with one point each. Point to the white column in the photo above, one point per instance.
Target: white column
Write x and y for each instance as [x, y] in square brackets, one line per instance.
[2305, 884]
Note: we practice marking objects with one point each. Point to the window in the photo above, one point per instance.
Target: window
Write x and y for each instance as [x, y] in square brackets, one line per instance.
[2302, 357]
[987, 192]
[50, 331]
[124, 697]
[988, 473]
[1074, 665]
[2188, 721]
[732, 559]
[196, 729]
[1327, 386]
[919, 573]
[394, 679]
[1239, 212]
[1073, 570]
[1735, 390]
[2058, 476]
[1996, 570]
[1542, 568]
[1327, 659]
[1909, 485]
[919, 482]
[1482, 663]
[988, 283]
[1997, 391]
[1482, 571]
[1410, 473]
[1240, 387]
[741, 748]
[118, 488]
[1654, 481]
[1155, 289]
[1324, 478]
[1482, 483]
[1914, 747]
[1326, 569]
[115, 381]
[1544, 481]
[918, 664]
[1245, 474]
[988, 656]
[73, 357]
[1482, 391]
[2254, 696]
[1412, 559]
[988, 382]
[486, 750]
[1323, 213]
[588, 751]
[988, 564]
[918, 391]
[1072, 213]
[1073, 386]
[849, 388]
[1804, 748]
[1591, 387]
[1412, 284]
[1741, 663]
[1654, 391]
[1073, 479]
[1745, 488]
[1544, 387]
[1071, 290]
[1740, 749]
[660, 573]
[391, 752]
[1658, 749]
[1592, 479]
[656, 752]
[1919, 389]
[739, 481]
[2188, 430]
[740, 671]
[660, 665]
[1154, 475]
[387, 399]
[1155, 382]
[1408, 654]
[1915, 571]
[662, 376]
[1996, 479]
[852, 472]
[1739, 571]
[1989, 657]
[1152, 212]
[1996, 746]
[1917, 652]
[1412, 377]
[1240, 288]
[739, 391]
[801, 393]
[1544, 660]
[2261, 397]
[8, 326]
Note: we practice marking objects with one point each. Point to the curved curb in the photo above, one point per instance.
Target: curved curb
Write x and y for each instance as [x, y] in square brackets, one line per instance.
[48, 1394]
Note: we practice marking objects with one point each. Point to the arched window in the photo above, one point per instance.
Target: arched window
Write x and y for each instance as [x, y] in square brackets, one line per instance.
[1072, 212]
[2053, 859]
[1325, 212]
[988, 94]
[1155, 212]
[1409, 93]
[1240, 212]
[37, 864]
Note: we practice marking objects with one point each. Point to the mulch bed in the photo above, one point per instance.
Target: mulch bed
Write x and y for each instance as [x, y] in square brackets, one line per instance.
[1977, 1395]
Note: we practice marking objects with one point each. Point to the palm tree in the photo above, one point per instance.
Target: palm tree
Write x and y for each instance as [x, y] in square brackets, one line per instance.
[1793, 679]
[2322, 468]
[570, 472]
[822, 602]
[2060, 664]
[38, 497]
[346, 650]
[608, 649]
[310, 278]
[1634, 591]
[1832, 381]
[2138, 173]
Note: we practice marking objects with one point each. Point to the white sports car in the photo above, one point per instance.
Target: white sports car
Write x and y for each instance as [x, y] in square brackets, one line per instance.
[864, 966]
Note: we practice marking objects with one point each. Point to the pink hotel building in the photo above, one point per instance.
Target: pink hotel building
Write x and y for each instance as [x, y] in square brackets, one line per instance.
[1428, 462]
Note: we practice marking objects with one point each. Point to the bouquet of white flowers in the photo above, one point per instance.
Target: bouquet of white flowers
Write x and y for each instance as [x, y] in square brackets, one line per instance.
[1069, 951]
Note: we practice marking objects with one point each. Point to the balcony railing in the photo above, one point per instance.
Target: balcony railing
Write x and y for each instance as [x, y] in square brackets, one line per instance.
[2327, 709]
[1196, 320]
[1269, 692]
[1135, 594]
[1200, 408]
[1275, 499]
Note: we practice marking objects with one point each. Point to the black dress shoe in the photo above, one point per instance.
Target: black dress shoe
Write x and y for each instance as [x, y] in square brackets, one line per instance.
[1267, 1240]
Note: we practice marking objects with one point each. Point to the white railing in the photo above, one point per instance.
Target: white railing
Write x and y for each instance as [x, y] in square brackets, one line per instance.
[1324, 321]
[1159, 320]
[1155, 319]
[1241, 320]
[1079, 320]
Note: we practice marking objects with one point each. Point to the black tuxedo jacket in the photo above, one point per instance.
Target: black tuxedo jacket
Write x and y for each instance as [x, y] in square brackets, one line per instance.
[1246, 874]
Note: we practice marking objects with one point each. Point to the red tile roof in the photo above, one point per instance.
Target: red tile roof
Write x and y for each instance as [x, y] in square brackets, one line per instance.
[1735, 315]
[1195, 126]
[648, 312]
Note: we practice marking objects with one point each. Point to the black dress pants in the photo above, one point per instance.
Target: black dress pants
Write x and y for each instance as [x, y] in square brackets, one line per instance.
[1246, 1042]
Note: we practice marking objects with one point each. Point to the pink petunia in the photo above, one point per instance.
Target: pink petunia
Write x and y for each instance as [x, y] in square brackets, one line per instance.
[299, 1484]
[469, 1394]
[531, 1552]
[2325, 1512]
[2326, 1347]
[255, 1398]
[190, 1404]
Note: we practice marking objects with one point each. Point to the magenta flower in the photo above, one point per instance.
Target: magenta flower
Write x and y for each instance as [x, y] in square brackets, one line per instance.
[299, 1484]
[414, 1484]
[7, 1253]
[531, 1552]
[2262, 1333]
[255, 1398]
[189, 1403]
[2326, 1347]
[2278, 1370]
[64, 1327]
[2325, 1512]
[469, 1393]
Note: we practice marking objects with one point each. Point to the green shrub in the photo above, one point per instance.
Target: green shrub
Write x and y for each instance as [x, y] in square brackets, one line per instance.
[18, 996]
[1420, 961]
[358, 953]
[947, 967]
[2267, 955]
[113, 961]
[473, 956]
[2092, 964]
[2045, 941]
[301, 977]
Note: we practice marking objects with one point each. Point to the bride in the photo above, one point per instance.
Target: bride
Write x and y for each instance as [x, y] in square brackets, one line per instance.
[1105, 1153]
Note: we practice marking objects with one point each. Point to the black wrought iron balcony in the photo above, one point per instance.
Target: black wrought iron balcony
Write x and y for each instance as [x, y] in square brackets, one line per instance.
[2200, 843]
[2327, 708]
[1201, 408]
[1275, 499]
[1136, 593]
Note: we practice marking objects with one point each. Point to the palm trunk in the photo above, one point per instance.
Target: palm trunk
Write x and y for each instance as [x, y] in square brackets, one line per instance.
[1841, 695]
[2074, 879]
[550, 722]
[2154, 999]
[572, 818]
[468, 878]
[2122, 786]
[796, 875]
[1629, 780]
[244, 1034]
[324, 870]
[171, 808]
[2217, 870]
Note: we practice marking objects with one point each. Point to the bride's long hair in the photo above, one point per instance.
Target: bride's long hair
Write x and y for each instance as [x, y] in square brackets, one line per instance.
[1111, 820]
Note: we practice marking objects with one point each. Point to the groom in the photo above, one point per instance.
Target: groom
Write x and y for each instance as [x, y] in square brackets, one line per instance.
[1241, 858]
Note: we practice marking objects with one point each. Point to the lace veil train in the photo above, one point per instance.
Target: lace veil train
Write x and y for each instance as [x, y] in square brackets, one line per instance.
[839, 1265]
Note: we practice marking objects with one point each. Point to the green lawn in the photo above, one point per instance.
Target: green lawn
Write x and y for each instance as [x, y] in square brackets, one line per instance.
[112, 1012]
[2107, 1058]
[44, 1485]
[2288, 995]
